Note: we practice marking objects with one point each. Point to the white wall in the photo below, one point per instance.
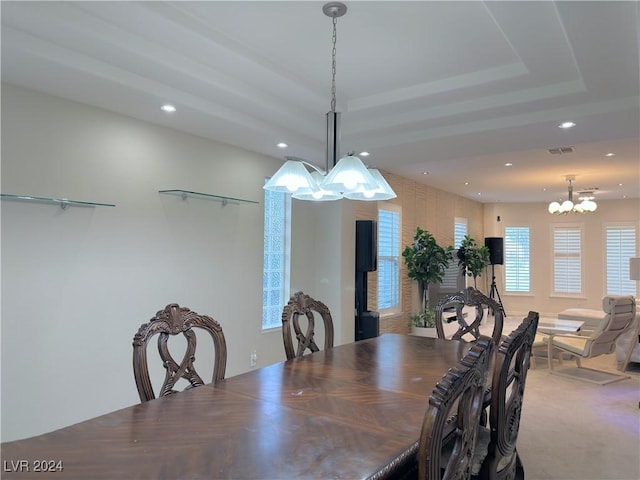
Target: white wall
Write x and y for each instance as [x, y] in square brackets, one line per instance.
[325, 254]
[77, 283]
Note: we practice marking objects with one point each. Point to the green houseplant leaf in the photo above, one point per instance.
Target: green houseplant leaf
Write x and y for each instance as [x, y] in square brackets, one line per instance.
[472, 258]
[426, 262]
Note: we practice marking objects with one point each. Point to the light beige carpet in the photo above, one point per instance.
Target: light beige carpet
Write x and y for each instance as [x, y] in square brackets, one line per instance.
[574, 430]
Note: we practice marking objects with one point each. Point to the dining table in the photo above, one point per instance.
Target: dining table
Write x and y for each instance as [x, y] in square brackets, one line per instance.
[353, 411]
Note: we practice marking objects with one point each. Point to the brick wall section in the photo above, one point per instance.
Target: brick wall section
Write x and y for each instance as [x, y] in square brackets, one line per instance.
[430, 209]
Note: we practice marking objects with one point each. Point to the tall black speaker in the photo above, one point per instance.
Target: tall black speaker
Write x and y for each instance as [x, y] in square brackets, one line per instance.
[496, 255]
[366, 246]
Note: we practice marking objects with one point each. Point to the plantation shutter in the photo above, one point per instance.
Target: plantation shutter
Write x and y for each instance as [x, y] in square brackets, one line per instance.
[620, 246]
[567, 262]
[517, 272]
[388, 260]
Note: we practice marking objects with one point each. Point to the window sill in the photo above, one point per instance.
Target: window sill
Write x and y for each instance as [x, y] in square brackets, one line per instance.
[577, 297]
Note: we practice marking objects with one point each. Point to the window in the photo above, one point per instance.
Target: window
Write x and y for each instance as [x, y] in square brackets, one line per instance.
[459, 231]
[275, 271]
[389, 259]
[567, 260]
[517, 273]
[620, 246]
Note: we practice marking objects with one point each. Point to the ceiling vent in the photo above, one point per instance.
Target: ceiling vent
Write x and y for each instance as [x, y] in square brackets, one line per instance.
[561, 150]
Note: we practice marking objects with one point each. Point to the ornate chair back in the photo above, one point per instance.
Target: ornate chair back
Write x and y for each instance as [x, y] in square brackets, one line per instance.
[470, 297]
[453, 417]
[172, 321]
[509, 377]
[302, 304]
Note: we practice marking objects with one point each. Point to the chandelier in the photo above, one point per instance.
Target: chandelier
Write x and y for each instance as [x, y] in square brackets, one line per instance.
[585, 205]
[345, 178]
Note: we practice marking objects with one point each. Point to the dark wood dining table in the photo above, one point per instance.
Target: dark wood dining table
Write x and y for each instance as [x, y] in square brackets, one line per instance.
[354, 411]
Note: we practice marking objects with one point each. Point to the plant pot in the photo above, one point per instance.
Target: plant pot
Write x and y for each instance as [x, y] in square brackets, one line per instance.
[424, 332]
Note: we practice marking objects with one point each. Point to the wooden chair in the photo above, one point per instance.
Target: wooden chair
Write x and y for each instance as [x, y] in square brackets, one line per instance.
[172, 321]
[470, 297]
[620, 311]
[302, 304]
[450, 426]
[501, 460]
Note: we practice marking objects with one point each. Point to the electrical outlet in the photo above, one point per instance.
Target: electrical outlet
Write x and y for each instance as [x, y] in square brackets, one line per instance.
[253, 358]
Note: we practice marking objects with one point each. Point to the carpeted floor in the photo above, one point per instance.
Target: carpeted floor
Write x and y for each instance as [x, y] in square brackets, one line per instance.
[574, 430]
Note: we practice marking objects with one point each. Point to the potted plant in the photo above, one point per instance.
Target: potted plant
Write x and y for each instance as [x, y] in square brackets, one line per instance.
[472, 258]
[426, 263]
[423, 323]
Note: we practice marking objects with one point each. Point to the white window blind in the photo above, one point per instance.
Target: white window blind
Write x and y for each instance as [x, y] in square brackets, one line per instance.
[567, 260]
[452, 280]
[388, 260]
[275, 272]
[620, 246]
[459, 231]
[517, 272]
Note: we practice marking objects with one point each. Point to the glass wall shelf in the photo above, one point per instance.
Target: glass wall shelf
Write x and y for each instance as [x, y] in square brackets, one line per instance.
[219, 198]
[63, 202]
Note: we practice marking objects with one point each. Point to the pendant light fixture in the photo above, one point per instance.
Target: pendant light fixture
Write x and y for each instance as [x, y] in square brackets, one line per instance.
[347, 177]
[586, 204]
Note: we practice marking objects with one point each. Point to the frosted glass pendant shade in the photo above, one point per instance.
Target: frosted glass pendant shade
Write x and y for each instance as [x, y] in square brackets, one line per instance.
[383, 192]
[292, 177]
[320, 195]
[349, 175]
[589, 205]
[566, 206]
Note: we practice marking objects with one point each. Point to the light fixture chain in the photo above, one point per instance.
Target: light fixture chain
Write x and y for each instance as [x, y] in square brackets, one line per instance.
[333, 65]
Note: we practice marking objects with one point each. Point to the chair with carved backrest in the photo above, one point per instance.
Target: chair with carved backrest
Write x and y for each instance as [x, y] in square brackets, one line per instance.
[172, 321]
[497, 446]
[470, 297]
[302, 304]
[451, 422]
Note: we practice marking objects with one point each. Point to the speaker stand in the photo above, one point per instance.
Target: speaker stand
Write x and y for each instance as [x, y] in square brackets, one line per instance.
[494, 294]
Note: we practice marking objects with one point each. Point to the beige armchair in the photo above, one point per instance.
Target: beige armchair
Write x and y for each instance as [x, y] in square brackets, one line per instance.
[619, 312]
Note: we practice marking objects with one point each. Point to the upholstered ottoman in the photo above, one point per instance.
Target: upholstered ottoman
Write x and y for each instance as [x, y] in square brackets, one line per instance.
[590, 317]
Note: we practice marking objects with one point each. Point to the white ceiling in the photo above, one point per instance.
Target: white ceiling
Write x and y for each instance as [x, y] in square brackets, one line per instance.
[456, 89]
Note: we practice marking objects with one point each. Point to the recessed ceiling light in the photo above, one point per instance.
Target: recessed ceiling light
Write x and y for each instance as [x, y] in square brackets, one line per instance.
[508, 164]
[620, 184]
[364, 154]
[479, 193]
[610, 154]
[466, 183]
[425, 173]
[567, 125]
[282, 145]
[168, 108]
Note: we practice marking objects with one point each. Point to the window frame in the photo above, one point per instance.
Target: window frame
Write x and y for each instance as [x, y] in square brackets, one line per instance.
[633, 284]
[286, 263]
[397, 308]
[567, 226]
[456, 239]
[504, 235]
